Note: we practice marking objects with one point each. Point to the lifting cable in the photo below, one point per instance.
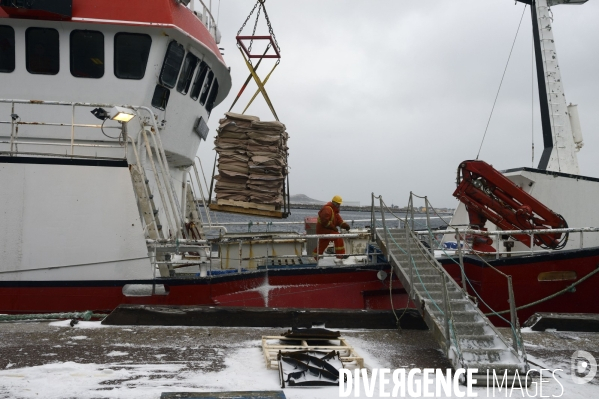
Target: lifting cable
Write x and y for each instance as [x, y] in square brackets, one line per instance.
[501, 82]
[246, 53]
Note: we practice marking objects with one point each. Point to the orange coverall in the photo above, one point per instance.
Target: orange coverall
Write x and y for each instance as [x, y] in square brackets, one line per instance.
[328, 221]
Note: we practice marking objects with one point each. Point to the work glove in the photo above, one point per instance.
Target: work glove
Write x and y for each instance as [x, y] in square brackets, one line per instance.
[345, 226]
[334, 230]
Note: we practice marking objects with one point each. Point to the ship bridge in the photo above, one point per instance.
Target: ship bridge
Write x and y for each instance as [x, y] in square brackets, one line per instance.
[158, 54]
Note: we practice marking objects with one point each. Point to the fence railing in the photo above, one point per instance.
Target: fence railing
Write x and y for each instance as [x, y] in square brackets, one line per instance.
[65, 143]
[444, 305]
[462, 234]
[207, 18]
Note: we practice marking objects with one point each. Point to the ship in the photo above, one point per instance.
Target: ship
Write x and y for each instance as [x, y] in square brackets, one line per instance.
[104, 107]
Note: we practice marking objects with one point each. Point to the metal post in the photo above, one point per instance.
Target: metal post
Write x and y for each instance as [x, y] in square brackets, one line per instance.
[240, 250]
[372, 219]
[428, 225]
[410, 260]
[446, 311]
[581, 240]
[12, 128]
[411, 210]
[463, 271]
[385, 229]
[125, 133]
[532, 242]
[72, 129]
[513, 316]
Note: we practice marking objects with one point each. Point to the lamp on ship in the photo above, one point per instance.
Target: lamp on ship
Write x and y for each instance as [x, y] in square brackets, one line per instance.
[118, 114]
[121, 114]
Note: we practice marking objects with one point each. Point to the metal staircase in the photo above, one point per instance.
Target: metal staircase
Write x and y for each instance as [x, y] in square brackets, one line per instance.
[464, 333]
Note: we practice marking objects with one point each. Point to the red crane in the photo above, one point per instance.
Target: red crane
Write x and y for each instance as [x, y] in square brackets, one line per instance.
[489, 195]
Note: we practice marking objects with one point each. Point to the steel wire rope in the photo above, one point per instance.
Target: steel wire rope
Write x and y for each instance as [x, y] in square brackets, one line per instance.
[532, 101]
[501, 83]
[568, 288]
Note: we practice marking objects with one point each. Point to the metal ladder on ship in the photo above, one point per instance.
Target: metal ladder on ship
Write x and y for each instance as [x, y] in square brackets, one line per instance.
[465, 334]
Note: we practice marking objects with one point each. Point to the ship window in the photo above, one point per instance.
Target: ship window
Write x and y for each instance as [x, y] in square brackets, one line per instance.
[197, 83]
[42, 51]
[206, 87]
[212, 96]
[160, 97]
[131, 52]
[87, 54]
[189, 66]
[7, 49]
[172, 64]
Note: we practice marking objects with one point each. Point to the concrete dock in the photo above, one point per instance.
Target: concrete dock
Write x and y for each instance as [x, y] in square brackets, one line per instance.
[90, 360]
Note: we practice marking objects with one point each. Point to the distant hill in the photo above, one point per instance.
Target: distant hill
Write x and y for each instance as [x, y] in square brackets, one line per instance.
[304, 199]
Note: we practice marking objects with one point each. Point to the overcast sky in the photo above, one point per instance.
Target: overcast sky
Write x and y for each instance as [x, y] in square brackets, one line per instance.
[389, 96]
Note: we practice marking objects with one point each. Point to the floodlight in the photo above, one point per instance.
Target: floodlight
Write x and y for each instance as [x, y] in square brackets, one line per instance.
[121, 114]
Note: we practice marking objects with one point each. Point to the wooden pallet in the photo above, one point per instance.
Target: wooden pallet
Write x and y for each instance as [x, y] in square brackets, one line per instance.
[246, 208]
[271, 345]
[247, 205]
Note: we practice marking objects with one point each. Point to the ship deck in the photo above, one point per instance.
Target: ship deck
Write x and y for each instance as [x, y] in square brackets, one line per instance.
[89, 360]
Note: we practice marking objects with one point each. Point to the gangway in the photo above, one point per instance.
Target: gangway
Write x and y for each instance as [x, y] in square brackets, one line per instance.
[464, 333]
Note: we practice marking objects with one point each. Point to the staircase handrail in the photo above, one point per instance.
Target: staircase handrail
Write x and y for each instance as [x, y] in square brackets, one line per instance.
[517, 342]
[448, 319]
[143, 175]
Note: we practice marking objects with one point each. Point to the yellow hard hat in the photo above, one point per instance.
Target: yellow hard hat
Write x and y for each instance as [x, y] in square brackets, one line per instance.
[337, 199]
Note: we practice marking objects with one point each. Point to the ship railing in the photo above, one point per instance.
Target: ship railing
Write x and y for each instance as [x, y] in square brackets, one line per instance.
[68, 142]
[207, 19]
[204, 248]
[499, 237]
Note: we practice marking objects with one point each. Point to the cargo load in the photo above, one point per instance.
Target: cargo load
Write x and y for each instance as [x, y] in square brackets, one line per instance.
[252, 166]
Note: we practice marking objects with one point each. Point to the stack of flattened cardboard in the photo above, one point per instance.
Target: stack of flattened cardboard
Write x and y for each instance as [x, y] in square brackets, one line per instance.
[252, 160]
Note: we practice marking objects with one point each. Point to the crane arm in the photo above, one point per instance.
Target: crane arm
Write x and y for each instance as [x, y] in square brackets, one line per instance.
[489, 195]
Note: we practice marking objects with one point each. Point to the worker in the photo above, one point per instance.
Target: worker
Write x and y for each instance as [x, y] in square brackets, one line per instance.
[328, 222]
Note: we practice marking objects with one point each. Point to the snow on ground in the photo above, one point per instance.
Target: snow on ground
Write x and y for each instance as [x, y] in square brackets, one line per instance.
[242, 368]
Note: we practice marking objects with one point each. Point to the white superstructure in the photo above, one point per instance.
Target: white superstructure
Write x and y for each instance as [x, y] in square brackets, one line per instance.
[82, 193]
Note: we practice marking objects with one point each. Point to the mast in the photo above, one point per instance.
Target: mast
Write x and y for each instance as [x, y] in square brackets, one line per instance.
[559, 152]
